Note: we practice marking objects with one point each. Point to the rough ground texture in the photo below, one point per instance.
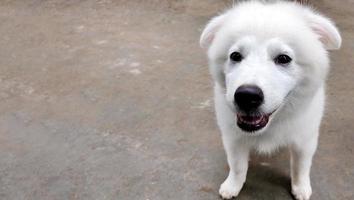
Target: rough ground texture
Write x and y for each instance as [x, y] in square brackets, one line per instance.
[113, 100]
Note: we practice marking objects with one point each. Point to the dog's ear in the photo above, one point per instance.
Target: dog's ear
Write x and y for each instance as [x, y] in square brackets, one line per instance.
[210, 30]
[326, 30]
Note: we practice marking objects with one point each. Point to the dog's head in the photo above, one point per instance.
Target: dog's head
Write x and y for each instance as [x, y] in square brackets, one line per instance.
[266, 54]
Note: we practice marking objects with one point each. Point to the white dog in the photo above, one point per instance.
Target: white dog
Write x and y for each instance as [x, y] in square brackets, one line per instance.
[269, 62]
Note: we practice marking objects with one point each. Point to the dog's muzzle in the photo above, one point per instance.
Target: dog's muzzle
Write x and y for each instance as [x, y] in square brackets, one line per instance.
[248, 99]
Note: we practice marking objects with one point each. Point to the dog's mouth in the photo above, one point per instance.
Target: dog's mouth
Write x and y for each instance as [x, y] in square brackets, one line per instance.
[252, 122]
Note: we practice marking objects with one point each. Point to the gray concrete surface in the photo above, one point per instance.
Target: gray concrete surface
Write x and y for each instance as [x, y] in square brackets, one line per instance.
[113, 100]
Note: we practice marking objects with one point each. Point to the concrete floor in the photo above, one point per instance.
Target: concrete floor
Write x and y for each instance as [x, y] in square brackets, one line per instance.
[113, 100]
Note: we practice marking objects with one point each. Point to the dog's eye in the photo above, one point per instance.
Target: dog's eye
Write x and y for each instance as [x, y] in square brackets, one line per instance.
[236, 56]
[282, 59]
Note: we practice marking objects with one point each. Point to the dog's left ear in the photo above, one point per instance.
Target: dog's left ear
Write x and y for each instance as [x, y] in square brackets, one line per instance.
[210, 30]
[326, 30]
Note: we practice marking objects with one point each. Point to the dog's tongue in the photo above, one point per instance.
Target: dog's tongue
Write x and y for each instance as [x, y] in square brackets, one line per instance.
[251, 123]
[249, 119]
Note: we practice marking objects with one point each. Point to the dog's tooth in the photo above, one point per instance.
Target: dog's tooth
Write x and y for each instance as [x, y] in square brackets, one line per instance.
[240, 118]
[257, 120]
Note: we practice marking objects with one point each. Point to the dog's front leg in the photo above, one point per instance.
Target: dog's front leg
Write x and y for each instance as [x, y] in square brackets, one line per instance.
[237, 158]
[236, 152]
[301, 160]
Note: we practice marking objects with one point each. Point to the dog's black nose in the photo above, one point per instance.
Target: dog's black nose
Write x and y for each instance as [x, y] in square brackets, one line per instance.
[248, 97]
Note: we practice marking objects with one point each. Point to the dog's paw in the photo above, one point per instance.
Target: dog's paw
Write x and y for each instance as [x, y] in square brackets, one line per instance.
[229, 189]
[301, 192]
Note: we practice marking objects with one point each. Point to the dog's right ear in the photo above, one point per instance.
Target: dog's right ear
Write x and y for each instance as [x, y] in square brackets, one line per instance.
[210, 30]
[325, 29]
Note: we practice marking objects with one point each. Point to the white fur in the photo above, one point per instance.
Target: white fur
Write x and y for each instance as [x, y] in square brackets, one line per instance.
[262, 31]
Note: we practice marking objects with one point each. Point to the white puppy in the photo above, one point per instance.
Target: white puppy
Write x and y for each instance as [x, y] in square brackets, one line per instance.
[269, 62]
